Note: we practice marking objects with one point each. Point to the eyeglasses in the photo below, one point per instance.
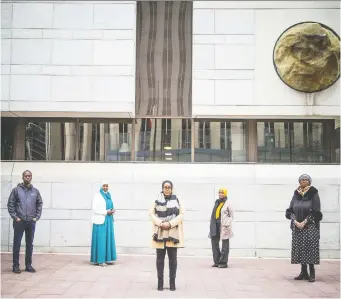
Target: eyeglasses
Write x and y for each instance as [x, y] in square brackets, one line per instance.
[167, 187]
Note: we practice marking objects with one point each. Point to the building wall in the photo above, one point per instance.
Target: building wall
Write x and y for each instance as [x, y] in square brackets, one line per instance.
[259, 193]
[68, 57]
[63, 59]
[233, 72]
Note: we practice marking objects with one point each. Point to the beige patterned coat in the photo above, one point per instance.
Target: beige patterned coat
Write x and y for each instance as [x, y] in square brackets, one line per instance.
[177, 221]
[227, 216]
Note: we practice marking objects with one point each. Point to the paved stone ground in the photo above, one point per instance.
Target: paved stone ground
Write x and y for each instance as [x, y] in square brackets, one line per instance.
[66, 276]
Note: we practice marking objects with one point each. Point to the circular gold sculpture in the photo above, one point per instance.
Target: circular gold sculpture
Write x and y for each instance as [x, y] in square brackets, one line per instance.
[307, 57]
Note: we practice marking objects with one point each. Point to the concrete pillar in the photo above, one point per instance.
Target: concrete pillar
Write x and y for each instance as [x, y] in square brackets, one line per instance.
[70, 142]
[176, 133]
[54, 141]
[196, 129]
[132, 141]
[152, 132]
[87, 140]
[252, 139]
[237, 136]
[279, 134]
[102, 142]
[214, 134]
[129, 135]
[298, 135]
[193, 137]
[260, 127]
[114, 136]
[137, 133]
[19, 140]
[238, 141]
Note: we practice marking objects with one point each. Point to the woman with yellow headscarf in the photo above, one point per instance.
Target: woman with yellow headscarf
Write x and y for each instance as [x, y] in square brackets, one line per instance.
[221, 229]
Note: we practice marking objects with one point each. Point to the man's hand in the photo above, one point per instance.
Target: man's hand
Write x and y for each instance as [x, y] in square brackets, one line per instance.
[34, 219]
[17, 219]
[109, 212]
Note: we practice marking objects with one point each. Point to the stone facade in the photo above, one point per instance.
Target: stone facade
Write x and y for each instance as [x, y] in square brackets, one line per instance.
[259, 193]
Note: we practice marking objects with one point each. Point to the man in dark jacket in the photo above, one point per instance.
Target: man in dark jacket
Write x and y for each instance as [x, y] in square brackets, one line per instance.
[25, 207]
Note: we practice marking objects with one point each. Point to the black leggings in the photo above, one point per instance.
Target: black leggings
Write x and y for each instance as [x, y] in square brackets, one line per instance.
[172, 253]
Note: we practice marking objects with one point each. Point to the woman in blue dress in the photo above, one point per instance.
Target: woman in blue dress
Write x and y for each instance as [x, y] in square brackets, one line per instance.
[103, 247]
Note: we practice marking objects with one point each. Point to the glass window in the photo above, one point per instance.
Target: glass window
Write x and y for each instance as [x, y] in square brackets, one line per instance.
[220, 141]
[78, 141]
[163, 140]
[50, 141]
[336, 145]
[8, 128]
[105, 141]
[294, 141]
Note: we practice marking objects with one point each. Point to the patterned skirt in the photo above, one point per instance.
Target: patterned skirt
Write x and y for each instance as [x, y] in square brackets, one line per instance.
[305, 247]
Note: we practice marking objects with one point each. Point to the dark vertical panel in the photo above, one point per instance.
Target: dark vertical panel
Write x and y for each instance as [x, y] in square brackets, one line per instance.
[163, 63]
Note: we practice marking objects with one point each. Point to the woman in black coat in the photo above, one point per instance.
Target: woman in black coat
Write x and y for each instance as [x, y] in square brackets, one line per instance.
[305, 215]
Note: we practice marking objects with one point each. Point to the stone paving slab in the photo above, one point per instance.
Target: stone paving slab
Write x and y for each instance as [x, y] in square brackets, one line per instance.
[71, 276]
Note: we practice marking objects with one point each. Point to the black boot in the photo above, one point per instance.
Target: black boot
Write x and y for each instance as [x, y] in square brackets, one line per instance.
[172, 284]
[160, 284]
[304, 273]
[16, 270]
[312, 273]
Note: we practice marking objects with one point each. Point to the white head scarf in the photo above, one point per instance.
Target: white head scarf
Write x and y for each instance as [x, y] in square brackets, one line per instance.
[104, 183]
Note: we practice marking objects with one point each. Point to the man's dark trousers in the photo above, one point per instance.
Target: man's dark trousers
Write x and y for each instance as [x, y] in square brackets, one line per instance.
[19, 228]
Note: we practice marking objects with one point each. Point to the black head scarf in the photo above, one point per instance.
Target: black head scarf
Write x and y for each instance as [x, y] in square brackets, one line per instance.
[168, 182]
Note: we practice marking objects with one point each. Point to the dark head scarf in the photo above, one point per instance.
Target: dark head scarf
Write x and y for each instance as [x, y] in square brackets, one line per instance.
[167, 182]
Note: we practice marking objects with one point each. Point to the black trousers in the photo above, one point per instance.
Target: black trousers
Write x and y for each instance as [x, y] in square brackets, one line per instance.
[21, 227]
[172, 253]
[220, 256]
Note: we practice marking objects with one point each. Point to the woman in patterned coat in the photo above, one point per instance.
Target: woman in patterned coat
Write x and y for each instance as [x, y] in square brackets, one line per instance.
[305, 215]
[167, 214]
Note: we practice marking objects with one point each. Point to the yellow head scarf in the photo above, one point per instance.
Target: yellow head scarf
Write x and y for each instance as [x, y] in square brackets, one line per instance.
[218, 210]
[224, 190]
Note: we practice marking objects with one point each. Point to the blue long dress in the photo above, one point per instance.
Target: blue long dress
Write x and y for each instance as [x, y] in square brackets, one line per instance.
[103, 247]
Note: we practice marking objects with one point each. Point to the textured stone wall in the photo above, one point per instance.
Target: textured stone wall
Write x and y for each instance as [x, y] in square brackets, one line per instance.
[259, 193]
